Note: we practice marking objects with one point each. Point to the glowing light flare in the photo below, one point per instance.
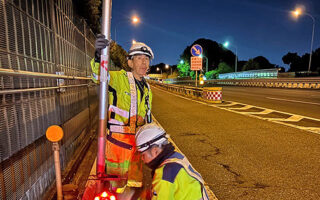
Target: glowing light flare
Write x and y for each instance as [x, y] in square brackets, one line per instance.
[296, 13]
[299, 10]
[104, 194]
[112, 197]
[97, 198]
[226, 44]
[135, 19]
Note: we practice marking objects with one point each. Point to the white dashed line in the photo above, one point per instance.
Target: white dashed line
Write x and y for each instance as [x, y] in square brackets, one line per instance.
[294, 101]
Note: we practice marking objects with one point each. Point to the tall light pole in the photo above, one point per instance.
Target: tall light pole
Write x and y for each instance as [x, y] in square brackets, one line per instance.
[296, 13]
[134, 20]
[167, 67]
[226, 45]
[160, 70]
[202, 56]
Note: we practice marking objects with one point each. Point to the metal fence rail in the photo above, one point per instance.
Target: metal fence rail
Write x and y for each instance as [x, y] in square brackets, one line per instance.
[41, 43]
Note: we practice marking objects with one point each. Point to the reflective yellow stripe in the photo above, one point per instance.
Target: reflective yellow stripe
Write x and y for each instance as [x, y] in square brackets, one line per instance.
[132, 183]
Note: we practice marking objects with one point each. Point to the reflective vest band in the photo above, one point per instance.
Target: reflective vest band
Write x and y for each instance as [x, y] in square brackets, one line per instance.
[149, 117]
[119, 143]
[119, 111]
[192, 172]
[122, 129]
[114, 121]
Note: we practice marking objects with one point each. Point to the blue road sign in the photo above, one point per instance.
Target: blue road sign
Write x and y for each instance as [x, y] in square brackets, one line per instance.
[196, 50]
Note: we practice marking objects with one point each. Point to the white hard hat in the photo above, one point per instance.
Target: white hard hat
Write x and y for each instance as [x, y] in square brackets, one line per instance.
[140, 48]
[149, 135]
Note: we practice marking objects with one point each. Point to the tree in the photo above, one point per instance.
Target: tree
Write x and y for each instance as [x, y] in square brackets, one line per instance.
[184, 68]
[214, 51]
[251, 65]
[292, 59]
[119, 56]
[91, 10]
[222, 68]
[263, 62]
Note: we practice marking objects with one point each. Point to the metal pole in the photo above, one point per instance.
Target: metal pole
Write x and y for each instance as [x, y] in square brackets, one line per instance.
[206, 64]
[115, 33]
[309, 67]
[196, 78]
[103, 101]
[236, 62]
[55, 148]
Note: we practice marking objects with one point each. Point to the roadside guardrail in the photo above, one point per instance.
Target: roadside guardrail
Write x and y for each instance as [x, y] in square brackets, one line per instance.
[295, 83]
[208, 94]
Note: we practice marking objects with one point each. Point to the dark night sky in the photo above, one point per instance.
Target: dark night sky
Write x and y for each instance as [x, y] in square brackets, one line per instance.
[255, 27]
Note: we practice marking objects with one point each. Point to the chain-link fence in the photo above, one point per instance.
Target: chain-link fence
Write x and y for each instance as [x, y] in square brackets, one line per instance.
[45, 51]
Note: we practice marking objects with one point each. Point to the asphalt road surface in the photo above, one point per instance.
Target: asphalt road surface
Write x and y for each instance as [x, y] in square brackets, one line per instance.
[244, 157]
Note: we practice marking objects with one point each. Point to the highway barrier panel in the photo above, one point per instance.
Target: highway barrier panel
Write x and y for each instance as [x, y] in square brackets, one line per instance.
[212, 94]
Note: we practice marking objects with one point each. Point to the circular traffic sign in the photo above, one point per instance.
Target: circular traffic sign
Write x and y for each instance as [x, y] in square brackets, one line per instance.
[196, 50]
[54, 133]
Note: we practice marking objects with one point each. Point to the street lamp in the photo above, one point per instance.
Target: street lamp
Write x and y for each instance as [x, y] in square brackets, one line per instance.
[134, 20]
[181, 61]
[158, 69]
[296, 13]
[167, 67]
[201, 56]
[226, 44]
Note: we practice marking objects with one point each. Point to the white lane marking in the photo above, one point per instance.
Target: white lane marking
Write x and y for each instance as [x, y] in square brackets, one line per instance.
[295, 101]
[230, 104]
[246, 107]
[293, 118]
[264, 112]
[250, 114]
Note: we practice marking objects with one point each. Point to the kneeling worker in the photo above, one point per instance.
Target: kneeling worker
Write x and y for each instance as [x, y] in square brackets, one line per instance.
[173, 175]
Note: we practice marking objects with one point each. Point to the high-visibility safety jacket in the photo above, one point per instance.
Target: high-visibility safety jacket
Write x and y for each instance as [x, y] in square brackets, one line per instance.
[128, 110]
[175, 178]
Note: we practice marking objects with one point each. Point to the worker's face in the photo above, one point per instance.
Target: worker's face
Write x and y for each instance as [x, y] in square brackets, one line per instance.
[139, 65]
[148, 155]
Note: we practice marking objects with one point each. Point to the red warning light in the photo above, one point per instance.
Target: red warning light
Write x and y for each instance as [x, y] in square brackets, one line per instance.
[104, 194]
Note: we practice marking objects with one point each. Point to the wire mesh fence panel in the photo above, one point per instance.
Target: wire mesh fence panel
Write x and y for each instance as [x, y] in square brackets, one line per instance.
[40, 38]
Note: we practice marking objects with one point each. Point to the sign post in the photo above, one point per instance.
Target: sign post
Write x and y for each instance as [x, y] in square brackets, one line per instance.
[196, 60]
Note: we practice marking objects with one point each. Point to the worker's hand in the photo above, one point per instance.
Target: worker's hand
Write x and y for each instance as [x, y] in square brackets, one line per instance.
[101, 43]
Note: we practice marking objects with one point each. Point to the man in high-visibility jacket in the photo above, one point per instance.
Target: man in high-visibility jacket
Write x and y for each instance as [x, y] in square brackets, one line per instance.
[129, 108]
[173, 175]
